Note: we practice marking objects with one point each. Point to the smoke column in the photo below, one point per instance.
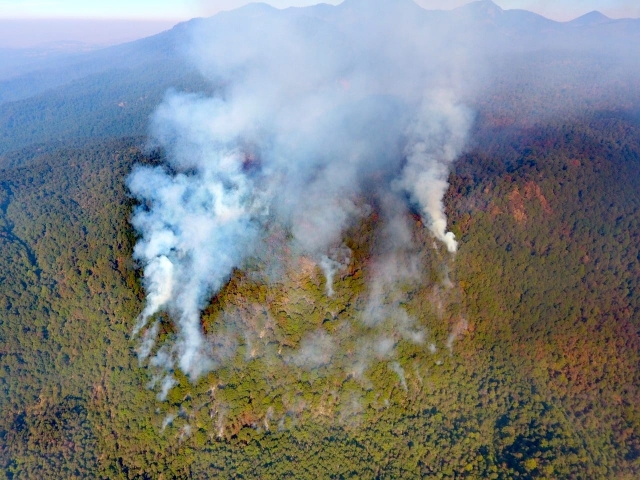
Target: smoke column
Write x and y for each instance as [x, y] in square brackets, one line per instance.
[313, 109]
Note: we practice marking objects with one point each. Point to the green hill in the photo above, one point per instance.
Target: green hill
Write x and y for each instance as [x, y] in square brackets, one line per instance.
[516, 358]
[541, 383]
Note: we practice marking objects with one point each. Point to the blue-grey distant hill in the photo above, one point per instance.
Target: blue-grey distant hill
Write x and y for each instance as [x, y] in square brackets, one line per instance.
[591, 18]
[112, 91]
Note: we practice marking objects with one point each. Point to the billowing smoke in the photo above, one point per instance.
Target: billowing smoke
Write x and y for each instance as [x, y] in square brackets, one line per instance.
[314, 109]
[338, 260]
[435, 137]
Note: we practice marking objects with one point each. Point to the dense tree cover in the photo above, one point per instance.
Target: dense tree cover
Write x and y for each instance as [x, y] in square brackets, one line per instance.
[64, 301]
[542, 381]
[559, 219]
[116, 103]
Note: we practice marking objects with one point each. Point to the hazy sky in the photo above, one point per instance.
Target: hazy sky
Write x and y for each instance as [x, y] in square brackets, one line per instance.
[184, 9]
[18, 28]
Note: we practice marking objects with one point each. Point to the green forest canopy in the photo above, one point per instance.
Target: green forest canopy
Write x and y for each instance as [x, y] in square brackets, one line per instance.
[542, 382]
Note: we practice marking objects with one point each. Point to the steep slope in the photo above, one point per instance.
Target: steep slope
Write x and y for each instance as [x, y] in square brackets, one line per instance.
[58, 71]
[517, 358]
[548, 275]
[557, 214]
[116, 103]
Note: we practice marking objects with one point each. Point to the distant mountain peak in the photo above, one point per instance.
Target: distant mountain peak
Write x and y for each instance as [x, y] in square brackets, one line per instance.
[376, 10]
[482, 7]
[490, 4]
[378, 4]
[364, 3]
[591, 18]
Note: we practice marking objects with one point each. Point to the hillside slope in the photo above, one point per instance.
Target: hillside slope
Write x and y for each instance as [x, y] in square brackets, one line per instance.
[517, 357]
[542, 381]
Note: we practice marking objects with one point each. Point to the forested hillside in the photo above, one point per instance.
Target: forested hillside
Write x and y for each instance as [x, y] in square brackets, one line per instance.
[541, 382]
[516, 357]
[113, 104]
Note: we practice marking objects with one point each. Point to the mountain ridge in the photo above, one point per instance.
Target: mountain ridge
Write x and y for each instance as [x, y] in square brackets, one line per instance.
[526, 359]
[591, 18]
[521, 27]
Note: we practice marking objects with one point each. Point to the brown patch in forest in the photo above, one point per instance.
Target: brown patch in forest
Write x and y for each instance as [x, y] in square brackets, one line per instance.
[565, 232]
[532, 190]
[306, 266]
[499, 120]
[518, 200]
[461, 327]
[38, 408]
[516, 204]
[326, 407]
[494, 210]
[98, 393]
[301, 270]
[591, 353]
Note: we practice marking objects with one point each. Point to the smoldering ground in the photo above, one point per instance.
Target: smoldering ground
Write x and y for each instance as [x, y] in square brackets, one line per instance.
[316, 109]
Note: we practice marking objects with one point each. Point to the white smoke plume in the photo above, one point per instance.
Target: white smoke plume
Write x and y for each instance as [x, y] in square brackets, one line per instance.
[315, 350]
[459, 328]
[395, 367]
[331, 265]
[435, 141]
[314, 109]
[148, 341]
[168, 420]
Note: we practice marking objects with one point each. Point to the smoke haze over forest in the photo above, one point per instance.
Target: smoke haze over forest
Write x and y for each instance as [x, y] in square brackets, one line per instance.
[316, 109]
[365, 240]
[313, 113]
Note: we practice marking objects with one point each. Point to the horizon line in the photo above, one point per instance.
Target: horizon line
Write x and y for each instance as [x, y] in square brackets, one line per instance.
[180, 19]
